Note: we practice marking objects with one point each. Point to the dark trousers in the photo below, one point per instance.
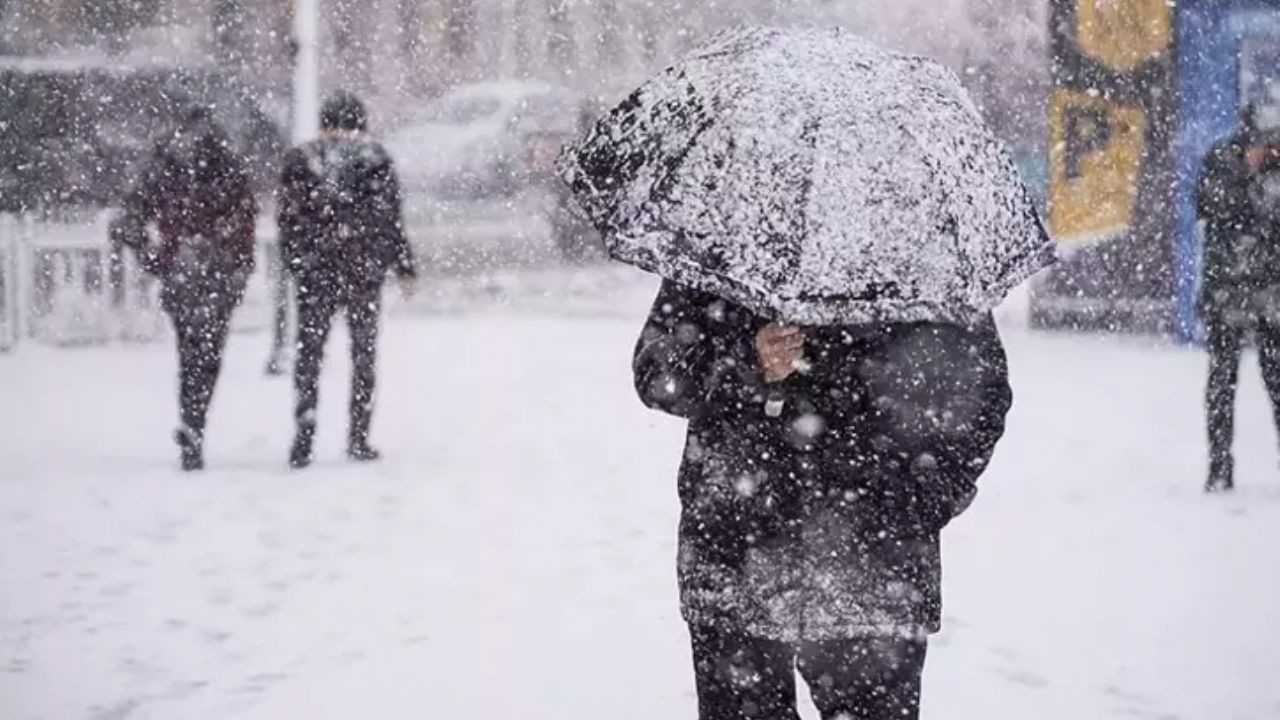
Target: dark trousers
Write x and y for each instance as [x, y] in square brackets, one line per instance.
[318, 302]
[746, 678]
[202, 337]
[279, 280]
[1225, 345]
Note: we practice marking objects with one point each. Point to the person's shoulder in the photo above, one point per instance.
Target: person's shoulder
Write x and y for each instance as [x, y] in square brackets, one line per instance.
[161, 151]
[681, 294]
[310, 148]
[972, 326]
[375, 153]
[302, 159]
[296, 155]
[685, 303]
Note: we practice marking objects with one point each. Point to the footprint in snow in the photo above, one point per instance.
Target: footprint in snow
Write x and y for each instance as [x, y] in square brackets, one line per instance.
[214, 636]
[260, 610]
[1132, 704]
[255, 684]
[118, 711]
[1023, 677]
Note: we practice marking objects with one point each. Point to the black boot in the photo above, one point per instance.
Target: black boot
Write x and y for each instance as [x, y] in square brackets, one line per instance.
[191, 446]
[300, 455]
[275, 365]
[360, 451]
[1221, 477]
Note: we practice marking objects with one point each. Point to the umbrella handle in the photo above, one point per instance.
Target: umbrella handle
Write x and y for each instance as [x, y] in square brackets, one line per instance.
[774, 403]
[775, 400]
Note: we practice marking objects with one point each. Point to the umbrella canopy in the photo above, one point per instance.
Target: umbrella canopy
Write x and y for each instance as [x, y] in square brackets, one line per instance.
[813, 178]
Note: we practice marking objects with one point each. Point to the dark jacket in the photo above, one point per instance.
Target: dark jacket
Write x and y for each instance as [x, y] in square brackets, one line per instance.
[1241, 262]
[340, 213]
[822, 520]
[197, 191]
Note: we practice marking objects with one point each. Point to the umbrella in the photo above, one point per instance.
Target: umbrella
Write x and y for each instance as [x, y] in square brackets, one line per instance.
[813, 178]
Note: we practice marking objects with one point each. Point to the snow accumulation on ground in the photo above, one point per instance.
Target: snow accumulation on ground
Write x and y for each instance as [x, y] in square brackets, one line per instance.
[513, 555]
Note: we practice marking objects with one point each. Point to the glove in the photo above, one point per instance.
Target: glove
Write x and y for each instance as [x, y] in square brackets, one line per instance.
[127, 232]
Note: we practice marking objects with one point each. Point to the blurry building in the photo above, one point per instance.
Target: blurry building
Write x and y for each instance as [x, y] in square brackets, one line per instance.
[397, 51]
[389, 50]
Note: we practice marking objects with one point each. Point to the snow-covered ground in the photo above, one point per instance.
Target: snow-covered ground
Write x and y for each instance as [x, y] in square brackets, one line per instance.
[513, 555]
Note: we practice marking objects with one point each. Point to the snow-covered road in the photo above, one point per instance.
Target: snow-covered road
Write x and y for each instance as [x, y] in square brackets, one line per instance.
[513, 555]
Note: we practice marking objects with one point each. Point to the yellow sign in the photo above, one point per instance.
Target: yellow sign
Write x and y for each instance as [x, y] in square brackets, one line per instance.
[1122, 34]
[1095, 162]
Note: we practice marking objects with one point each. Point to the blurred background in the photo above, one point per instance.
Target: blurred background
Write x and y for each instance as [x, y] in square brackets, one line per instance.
[472, 97]
[402, 54]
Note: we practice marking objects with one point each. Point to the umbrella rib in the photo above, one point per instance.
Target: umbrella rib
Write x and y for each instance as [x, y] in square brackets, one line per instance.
[661, 186]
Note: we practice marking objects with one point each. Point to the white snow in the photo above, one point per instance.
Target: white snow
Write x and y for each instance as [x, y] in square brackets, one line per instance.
[514, 554]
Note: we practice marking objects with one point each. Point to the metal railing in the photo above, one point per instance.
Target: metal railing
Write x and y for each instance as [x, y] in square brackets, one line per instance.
[61, 284]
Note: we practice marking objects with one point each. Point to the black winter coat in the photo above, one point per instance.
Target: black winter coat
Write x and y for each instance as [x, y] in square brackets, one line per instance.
[340, 213]
[1240, 277]
[197, 191]
[820, 521]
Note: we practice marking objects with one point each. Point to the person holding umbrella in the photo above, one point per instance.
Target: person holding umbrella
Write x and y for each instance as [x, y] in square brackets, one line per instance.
[833, 224]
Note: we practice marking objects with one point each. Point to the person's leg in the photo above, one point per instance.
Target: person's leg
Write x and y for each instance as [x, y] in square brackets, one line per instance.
[362, 319]
[279, 280]
[743, 678]
[1269, 359]
[315, 318]
[1224, 345]
[208, 341]
[872, 678]
[190, 432]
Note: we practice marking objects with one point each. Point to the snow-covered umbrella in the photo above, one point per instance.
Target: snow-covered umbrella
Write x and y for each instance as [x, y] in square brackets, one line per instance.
[813, 178]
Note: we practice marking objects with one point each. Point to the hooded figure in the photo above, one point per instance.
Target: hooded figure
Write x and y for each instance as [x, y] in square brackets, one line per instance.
[341, 232]
[1238, 198]
[197, 192]
[820, 467]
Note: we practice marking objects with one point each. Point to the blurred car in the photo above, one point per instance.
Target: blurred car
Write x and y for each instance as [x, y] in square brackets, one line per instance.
[483, 140]
[74, 134]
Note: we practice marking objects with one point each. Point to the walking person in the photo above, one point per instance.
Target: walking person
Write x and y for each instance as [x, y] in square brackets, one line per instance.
[342, 232]
[196, 189]
[813, 501]
[1237, 198]
[824, 324]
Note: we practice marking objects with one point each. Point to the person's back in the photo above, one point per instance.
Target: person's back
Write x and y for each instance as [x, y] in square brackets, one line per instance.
[340, 211]
[820, 466]
[197, 191]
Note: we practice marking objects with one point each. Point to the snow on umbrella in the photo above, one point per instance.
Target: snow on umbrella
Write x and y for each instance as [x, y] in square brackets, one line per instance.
[813, 178]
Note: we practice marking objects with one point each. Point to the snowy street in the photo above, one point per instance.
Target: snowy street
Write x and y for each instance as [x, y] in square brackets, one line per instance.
[513, 554]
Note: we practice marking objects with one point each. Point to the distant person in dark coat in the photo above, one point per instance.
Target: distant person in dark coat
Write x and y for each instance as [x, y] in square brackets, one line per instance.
[820, 467]
[342, 232]
[197, 191]
[1238, 198]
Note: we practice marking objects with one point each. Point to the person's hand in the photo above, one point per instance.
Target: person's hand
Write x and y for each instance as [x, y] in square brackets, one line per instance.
[781, 351]
[126, 232]
[408, 286]
[1254, 157]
